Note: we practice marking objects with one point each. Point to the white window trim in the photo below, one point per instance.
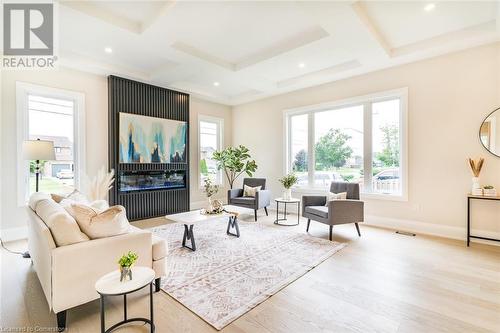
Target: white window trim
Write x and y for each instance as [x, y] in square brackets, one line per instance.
[220, 142]
[23, 89]
[401, 93]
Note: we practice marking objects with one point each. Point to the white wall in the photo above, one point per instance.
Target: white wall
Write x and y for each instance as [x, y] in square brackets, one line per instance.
[13, 218]
[449, 96]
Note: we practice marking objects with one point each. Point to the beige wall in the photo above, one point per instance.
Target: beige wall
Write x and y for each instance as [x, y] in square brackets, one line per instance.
[449, 96]
[96, 108]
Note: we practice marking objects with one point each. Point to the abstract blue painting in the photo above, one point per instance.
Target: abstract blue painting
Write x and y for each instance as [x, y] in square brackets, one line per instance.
[151, 140]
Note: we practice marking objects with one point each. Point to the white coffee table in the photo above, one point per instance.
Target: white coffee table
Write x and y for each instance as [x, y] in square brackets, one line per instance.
[189, 219]
[110, 285]
[286, 201]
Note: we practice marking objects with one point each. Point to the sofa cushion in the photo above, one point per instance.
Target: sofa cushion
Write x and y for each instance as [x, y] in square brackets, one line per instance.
[321, 211]
[63, 227]
[100, 224]
[36, 197]
[243, 200]
[75, 196]
[159, 247]
[249, 191]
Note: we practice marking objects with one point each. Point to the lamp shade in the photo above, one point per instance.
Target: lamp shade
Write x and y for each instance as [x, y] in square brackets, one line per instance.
[38, 150]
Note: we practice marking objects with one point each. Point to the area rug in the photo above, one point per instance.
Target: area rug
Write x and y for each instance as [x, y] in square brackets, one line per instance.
[227, 276]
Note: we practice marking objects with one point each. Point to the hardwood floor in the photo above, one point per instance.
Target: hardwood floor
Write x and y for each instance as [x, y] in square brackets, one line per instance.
[381, 282]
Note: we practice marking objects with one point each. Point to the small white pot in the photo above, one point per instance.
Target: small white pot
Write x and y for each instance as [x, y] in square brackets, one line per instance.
[475, 183]
[490, 192]
[287, 194]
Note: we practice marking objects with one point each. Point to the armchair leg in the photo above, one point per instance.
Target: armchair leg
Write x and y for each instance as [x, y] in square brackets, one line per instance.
[157, 284]
[357, 228]
[265, 208]
[255, 212]
[61, 321]
[308, 222]
[331, 229]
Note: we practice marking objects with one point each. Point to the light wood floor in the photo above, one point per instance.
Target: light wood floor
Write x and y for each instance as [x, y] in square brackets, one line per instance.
[381, 282]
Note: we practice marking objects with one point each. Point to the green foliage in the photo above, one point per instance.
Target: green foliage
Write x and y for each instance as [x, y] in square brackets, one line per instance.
[235, 161]
[488, 187]
[300, 163]
[288, 180]
[128, 259]
[33, 166]
[203, 167]
[348, 177]
[332, 150]
[210, 188]
[390, 154]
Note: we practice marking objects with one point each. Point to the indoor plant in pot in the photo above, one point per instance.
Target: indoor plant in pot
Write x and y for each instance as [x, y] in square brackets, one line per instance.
[489, 191]
[235, 161]
[214, 205]
[126, 261]
[288, 181]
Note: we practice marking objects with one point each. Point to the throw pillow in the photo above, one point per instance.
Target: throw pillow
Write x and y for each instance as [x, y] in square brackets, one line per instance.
[249, 191]
[75, 196]
[335, 196]
[63, 227]
[99, 224]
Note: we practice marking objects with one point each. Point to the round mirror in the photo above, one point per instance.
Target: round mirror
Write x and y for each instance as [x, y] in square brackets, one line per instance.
[489, 133]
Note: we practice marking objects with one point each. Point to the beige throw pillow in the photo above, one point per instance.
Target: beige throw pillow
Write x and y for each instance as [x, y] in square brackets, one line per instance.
[63, 227]
[99, 224]
[75, 196]
[335, 196]
[249, 191]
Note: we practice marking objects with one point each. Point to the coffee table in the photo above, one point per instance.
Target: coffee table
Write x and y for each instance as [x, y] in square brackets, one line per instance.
[189, 219]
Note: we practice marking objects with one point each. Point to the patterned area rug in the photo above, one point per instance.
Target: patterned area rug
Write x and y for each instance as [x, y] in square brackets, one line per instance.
[227, 276]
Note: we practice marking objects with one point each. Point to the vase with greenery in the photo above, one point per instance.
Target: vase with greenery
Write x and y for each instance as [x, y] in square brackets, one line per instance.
[288, 181]
[235, 161]
[126, 261]
[210, 190]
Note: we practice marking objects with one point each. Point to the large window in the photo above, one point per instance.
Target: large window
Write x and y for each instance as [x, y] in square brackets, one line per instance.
[210, 140]
[57, 116]
[360, 140]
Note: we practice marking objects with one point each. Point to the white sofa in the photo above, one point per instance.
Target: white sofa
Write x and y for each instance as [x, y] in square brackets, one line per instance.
[68, 273]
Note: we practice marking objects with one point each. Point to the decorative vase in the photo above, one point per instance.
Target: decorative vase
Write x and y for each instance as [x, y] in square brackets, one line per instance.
[287, 195]
[125, 273]
[210, 206]
[475, 184]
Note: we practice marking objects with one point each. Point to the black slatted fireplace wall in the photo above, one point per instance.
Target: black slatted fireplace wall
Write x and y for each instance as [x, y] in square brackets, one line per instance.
[138, 186]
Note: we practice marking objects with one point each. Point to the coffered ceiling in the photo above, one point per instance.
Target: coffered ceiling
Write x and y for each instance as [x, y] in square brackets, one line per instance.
[234, 52]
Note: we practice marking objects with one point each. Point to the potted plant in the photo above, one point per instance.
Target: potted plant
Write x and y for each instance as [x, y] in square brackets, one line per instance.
[489, 191]
[288, 181]
[126, 261]
[210, 189]
[235, 161]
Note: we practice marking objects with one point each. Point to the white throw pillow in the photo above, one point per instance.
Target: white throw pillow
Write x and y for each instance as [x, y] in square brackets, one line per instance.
[96, 223]
[249, 191]
[75, 196]
[335, 196]
[36, 197]
[63, 227]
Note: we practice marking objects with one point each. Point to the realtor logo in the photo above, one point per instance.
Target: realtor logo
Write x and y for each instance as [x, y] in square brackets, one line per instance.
[28, 36]
[28, 29]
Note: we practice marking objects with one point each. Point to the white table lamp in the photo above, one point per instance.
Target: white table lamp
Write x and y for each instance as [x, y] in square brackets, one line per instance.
[36, 150]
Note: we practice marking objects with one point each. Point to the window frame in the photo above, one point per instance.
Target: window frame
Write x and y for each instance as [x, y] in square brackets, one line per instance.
[366, 101]
[23, 90]
[220, 142]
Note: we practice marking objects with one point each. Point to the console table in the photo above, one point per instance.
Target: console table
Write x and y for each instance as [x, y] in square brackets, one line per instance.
[477, 197]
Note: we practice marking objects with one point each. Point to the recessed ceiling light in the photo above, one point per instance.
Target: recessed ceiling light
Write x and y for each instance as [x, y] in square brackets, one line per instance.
[108, 50]
[429, 7]
[302, 65]
[216, 84]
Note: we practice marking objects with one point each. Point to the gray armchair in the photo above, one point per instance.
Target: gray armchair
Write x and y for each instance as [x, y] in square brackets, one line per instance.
[337, 211]
[262, 198]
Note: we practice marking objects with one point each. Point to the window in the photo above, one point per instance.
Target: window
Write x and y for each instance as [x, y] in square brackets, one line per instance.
[52, 115]
[210, 136]
[360, 140]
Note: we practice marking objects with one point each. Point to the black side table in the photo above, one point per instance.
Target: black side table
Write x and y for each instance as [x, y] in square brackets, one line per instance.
[286, 201]
[477, 197]
[110, 285]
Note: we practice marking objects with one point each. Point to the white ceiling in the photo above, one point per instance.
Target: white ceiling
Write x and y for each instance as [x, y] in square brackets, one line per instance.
[263, 48]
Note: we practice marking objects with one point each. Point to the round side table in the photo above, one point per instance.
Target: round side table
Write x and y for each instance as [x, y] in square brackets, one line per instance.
[110, 285]
[286, 201]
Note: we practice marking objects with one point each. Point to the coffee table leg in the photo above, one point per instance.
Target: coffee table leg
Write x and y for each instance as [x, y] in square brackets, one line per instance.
[188, 235]
[103, 329]
[125, 307]
[151, 307]
[233, 223]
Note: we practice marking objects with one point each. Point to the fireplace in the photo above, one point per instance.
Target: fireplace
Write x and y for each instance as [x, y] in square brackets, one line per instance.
[130, 181]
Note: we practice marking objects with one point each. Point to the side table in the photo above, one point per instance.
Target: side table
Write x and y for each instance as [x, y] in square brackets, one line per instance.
[110, 285]
[286, 201]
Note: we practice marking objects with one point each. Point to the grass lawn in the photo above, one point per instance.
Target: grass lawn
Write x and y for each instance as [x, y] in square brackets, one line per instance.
[51, 185]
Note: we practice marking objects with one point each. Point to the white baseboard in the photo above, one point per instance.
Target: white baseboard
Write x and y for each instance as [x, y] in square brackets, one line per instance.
[12, 234]
[418, 227]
